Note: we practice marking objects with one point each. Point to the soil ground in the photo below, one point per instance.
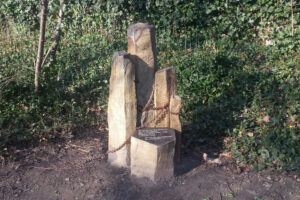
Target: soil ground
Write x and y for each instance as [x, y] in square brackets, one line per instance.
[76, 168]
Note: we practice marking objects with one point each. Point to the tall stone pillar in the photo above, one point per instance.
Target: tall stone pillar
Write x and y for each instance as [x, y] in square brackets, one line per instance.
[165, 85]
[121, 108]
[142, 47]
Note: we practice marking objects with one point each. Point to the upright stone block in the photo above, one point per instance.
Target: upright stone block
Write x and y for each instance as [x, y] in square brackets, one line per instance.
[121, 108]
[165, 85]
[175, 106]
[142, 47]
[152, 153]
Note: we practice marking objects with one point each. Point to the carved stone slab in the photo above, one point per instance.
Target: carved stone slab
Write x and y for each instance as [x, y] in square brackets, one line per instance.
[152, 153]
[121, 108]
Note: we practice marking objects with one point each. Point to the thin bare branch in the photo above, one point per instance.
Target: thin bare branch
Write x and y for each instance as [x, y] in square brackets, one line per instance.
[52, 49]
[40, 52]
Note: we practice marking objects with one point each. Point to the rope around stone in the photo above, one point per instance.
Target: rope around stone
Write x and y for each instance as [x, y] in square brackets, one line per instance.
[146, 108]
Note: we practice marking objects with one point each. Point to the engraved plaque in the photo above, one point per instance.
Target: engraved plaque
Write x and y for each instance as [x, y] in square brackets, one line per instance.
[157, 136]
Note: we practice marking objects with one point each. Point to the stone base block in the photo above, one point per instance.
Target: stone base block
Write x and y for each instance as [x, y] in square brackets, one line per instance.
[152, 153]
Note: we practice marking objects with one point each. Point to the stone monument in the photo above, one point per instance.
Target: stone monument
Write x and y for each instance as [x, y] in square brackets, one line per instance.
[140, 97]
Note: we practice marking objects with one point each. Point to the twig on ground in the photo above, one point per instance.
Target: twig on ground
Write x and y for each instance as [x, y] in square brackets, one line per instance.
[228, 185]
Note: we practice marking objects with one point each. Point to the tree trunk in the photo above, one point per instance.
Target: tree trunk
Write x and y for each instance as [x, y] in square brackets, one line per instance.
[40, 52]
[53, 48]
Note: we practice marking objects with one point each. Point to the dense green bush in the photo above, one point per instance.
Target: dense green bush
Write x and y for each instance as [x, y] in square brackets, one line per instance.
[20, 11]
[266, 20]
[237, 66]
[244, 92]
[74, 90]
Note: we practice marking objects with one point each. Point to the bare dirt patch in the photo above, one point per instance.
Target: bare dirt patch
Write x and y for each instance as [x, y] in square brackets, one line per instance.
[77, 169]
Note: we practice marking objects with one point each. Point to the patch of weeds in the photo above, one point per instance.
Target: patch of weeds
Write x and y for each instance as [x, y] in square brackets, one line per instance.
[56, 193]
[36, 187]
[229, 195]
[258, 198]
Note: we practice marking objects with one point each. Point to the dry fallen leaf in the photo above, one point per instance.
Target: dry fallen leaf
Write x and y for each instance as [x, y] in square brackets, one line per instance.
[211, 160]
[250, 134]
[266, 118]
[205, 156]
[227, 139]
[225, 154]
[95, 109]
[3, 160]
[214, 161]
[241, 132]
